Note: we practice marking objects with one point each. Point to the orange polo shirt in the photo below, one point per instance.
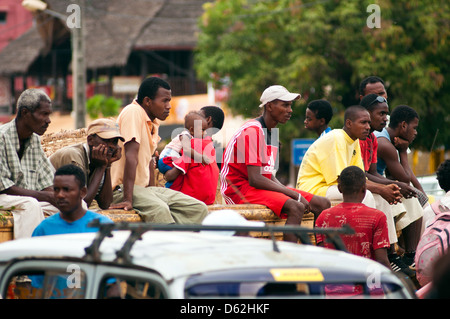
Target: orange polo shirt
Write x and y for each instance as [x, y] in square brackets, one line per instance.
[135, 124]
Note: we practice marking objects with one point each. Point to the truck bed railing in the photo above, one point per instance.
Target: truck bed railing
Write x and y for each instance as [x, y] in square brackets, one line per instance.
[138, 229]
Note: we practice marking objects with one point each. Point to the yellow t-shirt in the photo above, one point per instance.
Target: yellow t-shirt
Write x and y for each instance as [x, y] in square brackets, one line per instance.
[325, 159]
[135, 124]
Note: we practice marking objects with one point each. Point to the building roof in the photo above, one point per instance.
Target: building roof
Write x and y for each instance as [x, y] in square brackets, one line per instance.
[174, 27]
[113, 28]
[21, 52]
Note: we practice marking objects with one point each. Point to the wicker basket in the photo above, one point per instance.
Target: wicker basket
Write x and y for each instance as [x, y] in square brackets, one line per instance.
[54, 141]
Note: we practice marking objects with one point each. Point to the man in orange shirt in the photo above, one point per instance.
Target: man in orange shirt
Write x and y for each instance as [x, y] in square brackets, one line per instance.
[132, 175]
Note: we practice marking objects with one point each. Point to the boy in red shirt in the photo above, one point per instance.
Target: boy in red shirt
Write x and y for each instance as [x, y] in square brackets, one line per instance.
[371, 233]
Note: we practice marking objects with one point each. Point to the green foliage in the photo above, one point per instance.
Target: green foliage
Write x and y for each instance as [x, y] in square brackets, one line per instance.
[323, 49]
[100, 105]
[5, 212]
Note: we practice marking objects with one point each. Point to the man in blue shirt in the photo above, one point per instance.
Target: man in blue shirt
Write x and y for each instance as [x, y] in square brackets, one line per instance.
[69, 189]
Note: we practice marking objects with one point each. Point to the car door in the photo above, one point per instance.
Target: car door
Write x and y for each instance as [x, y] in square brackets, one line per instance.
[47, 279]
[118, 282]
[69, 279]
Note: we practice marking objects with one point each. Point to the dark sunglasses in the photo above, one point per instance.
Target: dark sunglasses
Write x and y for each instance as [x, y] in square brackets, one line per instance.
[379, 99]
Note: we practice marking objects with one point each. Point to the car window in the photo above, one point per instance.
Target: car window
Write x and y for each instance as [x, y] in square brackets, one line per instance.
[49, 284]
[289, 283]
[129, 287]
[290, 290]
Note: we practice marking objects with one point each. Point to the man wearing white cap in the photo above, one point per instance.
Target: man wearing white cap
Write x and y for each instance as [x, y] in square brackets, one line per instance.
[250, 160]
[94, 158]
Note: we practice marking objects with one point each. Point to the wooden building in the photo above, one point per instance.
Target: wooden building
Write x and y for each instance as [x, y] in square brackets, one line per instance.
[125, 41]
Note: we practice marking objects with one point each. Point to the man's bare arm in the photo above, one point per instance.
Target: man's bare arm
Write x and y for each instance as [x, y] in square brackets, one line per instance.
[129, 175]
[388, 152]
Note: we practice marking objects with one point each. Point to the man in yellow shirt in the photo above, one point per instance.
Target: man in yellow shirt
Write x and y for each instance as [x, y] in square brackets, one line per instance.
[328, 156]
[132, 174]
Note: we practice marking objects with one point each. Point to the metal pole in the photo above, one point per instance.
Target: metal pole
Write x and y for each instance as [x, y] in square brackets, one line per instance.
[79, 72]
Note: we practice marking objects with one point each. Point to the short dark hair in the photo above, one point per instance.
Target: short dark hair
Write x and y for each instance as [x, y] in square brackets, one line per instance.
[71, 169]
[351, 180]
[443, 175]
[352, 111]
[402, 113]
[217, 115]
[149, 87]
[369, 101]
[367, 80]
[322, 109]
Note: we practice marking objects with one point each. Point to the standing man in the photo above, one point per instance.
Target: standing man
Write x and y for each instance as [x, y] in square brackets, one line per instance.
[95, 158]
[250, 159]
[69, 189]
[133, 174]
[26, 175]
[318, 115]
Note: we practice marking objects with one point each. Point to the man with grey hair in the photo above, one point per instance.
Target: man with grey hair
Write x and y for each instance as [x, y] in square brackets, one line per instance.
[26, 175]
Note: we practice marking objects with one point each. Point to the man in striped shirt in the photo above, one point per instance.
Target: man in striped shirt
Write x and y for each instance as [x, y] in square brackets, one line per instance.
[26, 175]
[250, 160]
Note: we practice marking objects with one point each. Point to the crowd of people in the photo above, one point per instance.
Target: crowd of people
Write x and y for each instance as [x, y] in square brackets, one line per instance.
[362, 166]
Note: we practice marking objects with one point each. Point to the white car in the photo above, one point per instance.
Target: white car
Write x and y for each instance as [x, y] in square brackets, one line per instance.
[431, 187]
[142, 261]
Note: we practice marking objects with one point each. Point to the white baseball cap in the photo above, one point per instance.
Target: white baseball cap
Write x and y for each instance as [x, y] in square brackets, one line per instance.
[227, 217]
[277, 92]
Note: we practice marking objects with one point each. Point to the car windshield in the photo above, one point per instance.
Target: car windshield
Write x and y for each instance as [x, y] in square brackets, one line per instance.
[291, 283]
[291, 290]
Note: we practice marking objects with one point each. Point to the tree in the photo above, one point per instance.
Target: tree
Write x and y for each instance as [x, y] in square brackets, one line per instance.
[323, 49]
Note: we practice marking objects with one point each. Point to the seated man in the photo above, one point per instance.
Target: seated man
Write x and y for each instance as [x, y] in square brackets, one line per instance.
[247, 174]
[378, 109]
[318, 115]
[371, 234]
[133, 174]
[393, 143]
[330, 154]
[95, 158]
[26, 175]
[70, 189]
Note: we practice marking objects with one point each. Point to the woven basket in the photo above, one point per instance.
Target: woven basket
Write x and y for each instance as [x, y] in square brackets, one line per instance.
[54, 141]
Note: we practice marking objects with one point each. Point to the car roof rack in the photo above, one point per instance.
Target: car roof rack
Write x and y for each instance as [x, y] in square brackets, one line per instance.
[138, 229]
